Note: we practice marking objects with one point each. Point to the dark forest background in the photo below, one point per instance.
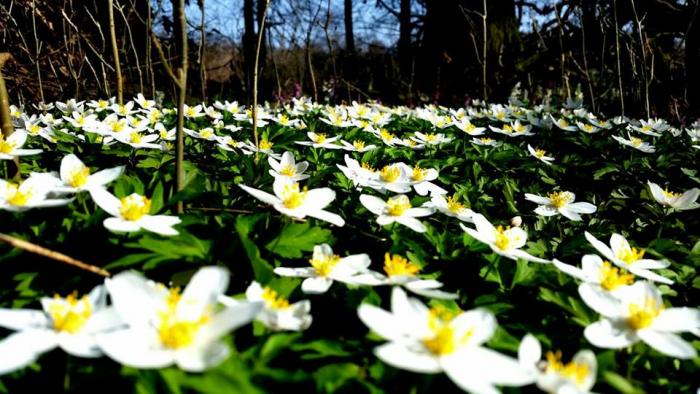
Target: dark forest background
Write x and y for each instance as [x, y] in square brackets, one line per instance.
[632, 57]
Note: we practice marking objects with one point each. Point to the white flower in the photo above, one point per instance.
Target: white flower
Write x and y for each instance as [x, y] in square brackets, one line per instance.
[264, 146]
[123, 109]
[75, 176]
[430, 138]
[587, 127]
[166, 327]
[450, 207]
[639, 314]
[31, 193]
[393, 177]
[552, 375]
[206, 133]
[430, 341]
[681, 202]
[299, 203]
[504, 241]
[193, 112]
[320, 140]
[540, 155]
[15, 354]
[632, 259]
[486, 142]
[359, 174]
[277, 313]
[81, 120]
[145, 104]
[327, 267]
[229, 144]
[70, 323]
[636, 143]
[287, 168]
[560, 203]
[466, 126]
[131, 213]
[357, 146]
[563, 124]
[420, 179]
[387, 137]
[402, 272]
[11, 146]
[32, 127]
[652, 127]
[137, 140]
[396, 209]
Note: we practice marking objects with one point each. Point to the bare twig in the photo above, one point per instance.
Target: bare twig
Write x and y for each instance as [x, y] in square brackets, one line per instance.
[254, 111]
[115, 52]
[51, 254]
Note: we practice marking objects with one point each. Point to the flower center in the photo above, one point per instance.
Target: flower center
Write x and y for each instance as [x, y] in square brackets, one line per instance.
[630, 255]
[578, 372]
[419, 173]
[453, 205]
[563, 123]
[288, 170]
[399, 266]
[641, 316]
[390, 174]
[503, 241]
[486, 140]
[319, 138]
[206, 133]
[430, 137]
[445, 340]
[636, 142]
[669, 194]
[386, 135]
[134, 207]
[539, 153]
[69, 314]
[292, 197]
[5, 146]
[324, 264]
[34, 129]
[265, 145]
[611, 277]
[135, 137]
[173, 332]
[17, 197]
[359, 145]
[191, 112]
[508, 129]
[78, 177]
[397, 206]
[273, 300]
[368, 167]
[560, 199]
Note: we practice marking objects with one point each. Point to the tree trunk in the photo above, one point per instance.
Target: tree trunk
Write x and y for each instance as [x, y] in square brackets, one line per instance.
[692, 58]
[349, 35]
[248, 42]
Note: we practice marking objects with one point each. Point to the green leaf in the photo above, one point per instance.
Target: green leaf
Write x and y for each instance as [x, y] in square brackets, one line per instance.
[298, 238]
[261, 268]
[619, 383]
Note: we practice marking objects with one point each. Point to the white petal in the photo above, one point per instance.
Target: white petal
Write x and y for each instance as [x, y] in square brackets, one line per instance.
[14, 355]
[326, 216]
[200, 359]
[600, 247]
[134, 298]
[228, 320]
[106, 200]
[530, 351]
[677, 320]
[265, 197]
[104, 177]
[119, 225]
[373, 204]
[159, 224]
[316, 285]
[668, 344]
[304, 272]
[605, 334]
[80, 345]
[582, 207]
[202, 293]
[537, 199]
[412, 223]
[319, 198]
[600, 301]
[400, 357]
[382, 322]
[23, 319]
[570, 270]
[133, 348]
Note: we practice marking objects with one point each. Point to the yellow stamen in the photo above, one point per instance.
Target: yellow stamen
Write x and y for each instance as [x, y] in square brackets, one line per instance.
[611, 277]
[502, 241]
[288, 170]
[17, 197]
[390, 174]
[641, 316]
[324, 264]
[559, 199]
[358, 145]
[578, 372]
[398, 265]
[453, 205]
[5, 146]
[292, 197]
[134, 207]
[319, 138]
[265, 145]
[630, 255]
[396, 207]
[69, 314]
[173, 332]
[419, 173]
[274, 300]
[78, 177]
